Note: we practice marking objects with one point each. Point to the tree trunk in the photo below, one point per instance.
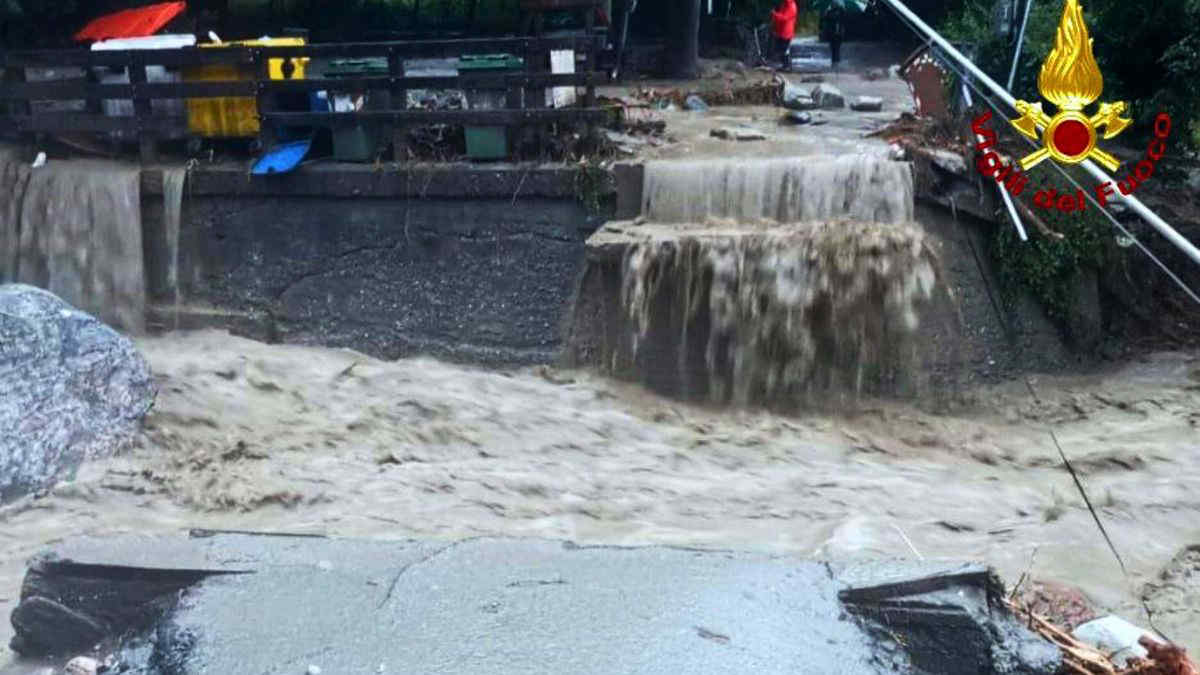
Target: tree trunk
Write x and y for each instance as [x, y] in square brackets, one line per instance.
[685, 42]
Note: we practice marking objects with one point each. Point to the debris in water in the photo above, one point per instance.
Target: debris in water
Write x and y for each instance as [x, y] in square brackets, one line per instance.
[738, 134]
[1079, 657]
[40, 160]
[867, 104]
[797, 117]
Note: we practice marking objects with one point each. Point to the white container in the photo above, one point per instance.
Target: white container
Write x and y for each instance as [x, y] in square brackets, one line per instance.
[118, 75]
[1115, 636]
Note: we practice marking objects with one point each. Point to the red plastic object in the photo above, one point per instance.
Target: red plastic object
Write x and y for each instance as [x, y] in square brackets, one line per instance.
[131, 23]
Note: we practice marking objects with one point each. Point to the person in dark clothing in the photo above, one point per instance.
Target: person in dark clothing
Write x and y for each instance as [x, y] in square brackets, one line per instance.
[834, 31]
[783, 27]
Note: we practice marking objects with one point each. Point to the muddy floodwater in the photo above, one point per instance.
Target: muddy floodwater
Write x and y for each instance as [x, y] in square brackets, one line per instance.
[286, 438]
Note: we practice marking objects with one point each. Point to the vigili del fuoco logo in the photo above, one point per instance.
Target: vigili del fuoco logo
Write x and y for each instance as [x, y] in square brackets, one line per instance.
[1070, 79]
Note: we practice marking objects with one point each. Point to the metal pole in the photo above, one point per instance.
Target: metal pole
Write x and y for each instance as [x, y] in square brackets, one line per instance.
[1133, 202]
[1008, 202]
[1012, 74]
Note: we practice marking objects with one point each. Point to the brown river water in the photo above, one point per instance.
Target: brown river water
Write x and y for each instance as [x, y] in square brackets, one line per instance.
[287, 438]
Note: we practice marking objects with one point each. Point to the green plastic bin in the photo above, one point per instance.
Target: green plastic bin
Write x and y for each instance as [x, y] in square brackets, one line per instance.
[487, 142]
[357, 143]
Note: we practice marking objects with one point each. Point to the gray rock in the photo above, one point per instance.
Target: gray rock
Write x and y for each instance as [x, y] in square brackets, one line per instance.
[738, 134]
[948, 161]
[797, 117]
[867, 104]
[82, 665]
[828, 96]
[795, 98]
[694, 102]
[74, 389]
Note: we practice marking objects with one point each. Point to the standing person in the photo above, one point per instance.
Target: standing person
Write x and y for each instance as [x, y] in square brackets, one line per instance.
[783, 27]
[834, 30]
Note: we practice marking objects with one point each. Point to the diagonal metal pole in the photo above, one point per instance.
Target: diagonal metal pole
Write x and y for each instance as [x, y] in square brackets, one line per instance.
[1008, 202]
[1012, 73]
[1188, 248]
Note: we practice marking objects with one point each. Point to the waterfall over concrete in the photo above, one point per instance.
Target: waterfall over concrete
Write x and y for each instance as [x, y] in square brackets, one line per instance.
[174, 179]
[783, 281]
[74, 228]
[787, 190]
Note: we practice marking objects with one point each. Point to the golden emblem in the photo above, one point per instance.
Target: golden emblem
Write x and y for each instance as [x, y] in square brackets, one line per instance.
[1071, 80]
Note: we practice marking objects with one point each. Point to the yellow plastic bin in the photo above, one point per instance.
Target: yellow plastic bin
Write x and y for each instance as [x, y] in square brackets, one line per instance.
[235, 117]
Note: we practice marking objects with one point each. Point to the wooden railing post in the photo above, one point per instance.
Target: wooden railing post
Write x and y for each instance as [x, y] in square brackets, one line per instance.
[147, 143]
[399, 101]
[265, 99]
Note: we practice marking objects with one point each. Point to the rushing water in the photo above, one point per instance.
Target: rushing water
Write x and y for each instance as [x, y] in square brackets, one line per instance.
[75, 229]
[785, 190]
[773, 281]
[785, 312]
[246, 435]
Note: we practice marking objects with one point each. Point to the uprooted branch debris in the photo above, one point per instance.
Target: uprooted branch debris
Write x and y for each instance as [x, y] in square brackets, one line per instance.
[1163, 658]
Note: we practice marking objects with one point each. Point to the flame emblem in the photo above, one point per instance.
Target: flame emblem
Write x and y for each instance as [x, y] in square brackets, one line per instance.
[1070, 79]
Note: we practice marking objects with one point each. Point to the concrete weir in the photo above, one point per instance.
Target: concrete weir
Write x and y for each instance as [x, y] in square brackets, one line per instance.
[770, 281]
[494, 605]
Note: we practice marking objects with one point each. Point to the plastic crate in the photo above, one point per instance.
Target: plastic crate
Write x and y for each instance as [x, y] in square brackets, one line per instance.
[487, 142]
[235, 117]
[360, 142]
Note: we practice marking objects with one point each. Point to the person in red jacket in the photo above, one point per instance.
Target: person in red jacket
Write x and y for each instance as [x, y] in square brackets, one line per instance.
[783, 27]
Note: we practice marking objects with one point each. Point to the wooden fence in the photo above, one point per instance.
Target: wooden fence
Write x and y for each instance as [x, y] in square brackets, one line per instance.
[524, 87]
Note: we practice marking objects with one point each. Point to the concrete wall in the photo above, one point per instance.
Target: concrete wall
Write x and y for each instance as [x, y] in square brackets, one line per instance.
[482, 278]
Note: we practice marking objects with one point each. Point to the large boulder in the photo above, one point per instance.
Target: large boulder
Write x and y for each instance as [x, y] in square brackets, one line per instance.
[72, 389]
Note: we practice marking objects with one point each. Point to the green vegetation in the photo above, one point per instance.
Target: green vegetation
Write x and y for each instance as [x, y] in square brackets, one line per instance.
[593, 181]
[1046, 266]
[1149, 53]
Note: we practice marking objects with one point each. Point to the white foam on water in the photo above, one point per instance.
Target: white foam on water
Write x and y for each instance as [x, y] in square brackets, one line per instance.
[784, 190]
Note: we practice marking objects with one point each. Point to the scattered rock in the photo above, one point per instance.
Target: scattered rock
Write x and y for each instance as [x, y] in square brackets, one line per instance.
[797, 117]
[947, 160]
[875, 74]
[313, 670]
[738, 134]
[867, 104]
[828, 96]
[74, 389]
[695, 103]
[795, 98]
[82, 665]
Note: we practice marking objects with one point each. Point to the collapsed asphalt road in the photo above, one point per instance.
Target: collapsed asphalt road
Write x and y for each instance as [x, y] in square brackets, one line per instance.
[245, 603]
